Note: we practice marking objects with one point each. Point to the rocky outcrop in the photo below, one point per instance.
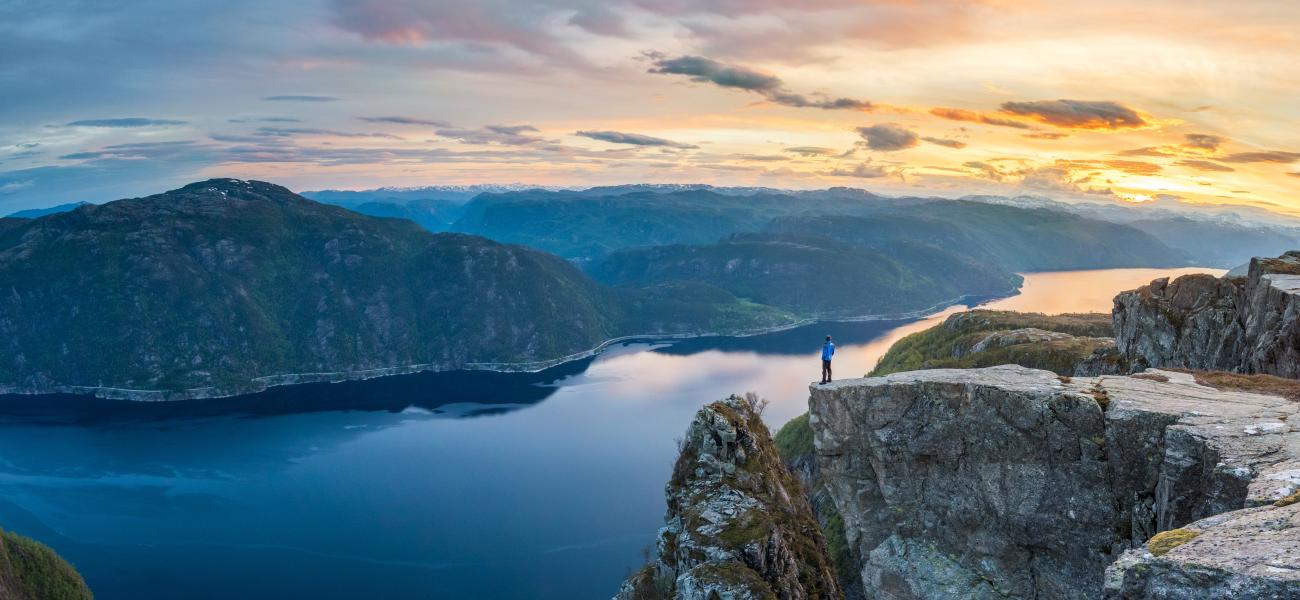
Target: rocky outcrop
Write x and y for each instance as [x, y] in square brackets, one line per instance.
[1067, 344]
[738, 524]
[1240, 324]
[1009, 482]
[1002, 339]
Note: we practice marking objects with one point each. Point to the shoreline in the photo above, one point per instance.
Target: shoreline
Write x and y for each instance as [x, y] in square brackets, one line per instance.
[265, 382]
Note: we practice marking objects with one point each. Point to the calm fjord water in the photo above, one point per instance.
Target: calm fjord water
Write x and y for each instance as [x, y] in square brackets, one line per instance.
[478, 485]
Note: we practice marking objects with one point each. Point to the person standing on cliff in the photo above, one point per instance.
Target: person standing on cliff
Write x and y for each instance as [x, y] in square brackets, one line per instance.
[828, 351]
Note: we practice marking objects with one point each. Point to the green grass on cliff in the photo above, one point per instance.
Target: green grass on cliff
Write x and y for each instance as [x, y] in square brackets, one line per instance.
[935, 348]
[30, 570]
[795, 438]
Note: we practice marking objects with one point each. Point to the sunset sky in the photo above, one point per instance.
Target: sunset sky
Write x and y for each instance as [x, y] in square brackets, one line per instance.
[1196, 102]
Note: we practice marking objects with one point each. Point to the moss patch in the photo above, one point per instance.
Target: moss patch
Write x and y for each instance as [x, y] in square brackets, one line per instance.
[37, 571]
[1100, 394]
[1151, 377]
[1161, 543]
[1289, 500]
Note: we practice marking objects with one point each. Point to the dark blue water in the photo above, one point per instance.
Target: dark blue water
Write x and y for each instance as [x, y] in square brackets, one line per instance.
[461, 485]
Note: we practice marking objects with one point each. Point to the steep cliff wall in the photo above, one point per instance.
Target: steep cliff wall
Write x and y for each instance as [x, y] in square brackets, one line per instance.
[738, 525]
[1240, 324]
[1009, 482]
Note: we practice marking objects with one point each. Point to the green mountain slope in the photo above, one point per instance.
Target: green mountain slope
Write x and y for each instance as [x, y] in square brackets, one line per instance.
[222, 281]
[586, 225]
[431, 214]
[1019, 239]
[812, 275]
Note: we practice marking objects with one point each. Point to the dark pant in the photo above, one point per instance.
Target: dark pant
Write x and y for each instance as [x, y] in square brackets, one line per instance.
[826, 370]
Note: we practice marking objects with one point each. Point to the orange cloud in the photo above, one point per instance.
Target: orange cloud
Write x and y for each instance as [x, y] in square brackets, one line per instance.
[1204, 165]
[960, 114]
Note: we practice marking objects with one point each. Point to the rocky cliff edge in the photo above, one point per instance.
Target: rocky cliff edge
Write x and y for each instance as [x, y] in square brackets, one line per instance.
[1009, 482]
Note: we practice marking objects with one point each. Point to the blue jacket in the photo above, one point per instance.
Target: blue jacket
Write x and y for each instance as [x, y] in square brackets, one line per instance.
[828, 350]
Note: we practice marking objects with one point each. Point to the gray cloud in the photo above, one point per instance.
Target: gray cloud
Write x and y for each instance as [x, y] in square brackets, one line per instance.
[507, 135]
[266, 120]
[864, 170]
[135, 150]
[1203, 165]
[601, 20]
[706, 70]
[1203, 141]
[291, 131]
[887, 137]
[1077, 114]
[125, 122]
[1266, 156]
[957, 144]
[405, 121]
[300, 98]
[811, 151]
[634, 139]
[988, 170]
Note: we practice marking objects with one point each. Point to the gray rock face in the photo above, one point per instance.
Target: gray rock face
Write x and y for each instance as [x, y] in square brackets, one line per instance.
[1240, 324]
[738, 524]
[1250, 553]
[1027, 335]
[1009, 482]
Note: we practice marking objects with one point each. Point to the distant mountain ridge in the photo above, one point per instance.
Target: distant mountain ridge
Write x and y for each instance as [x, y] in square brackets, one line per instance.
[33, 213]
[1217, 236]
[460, 193]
